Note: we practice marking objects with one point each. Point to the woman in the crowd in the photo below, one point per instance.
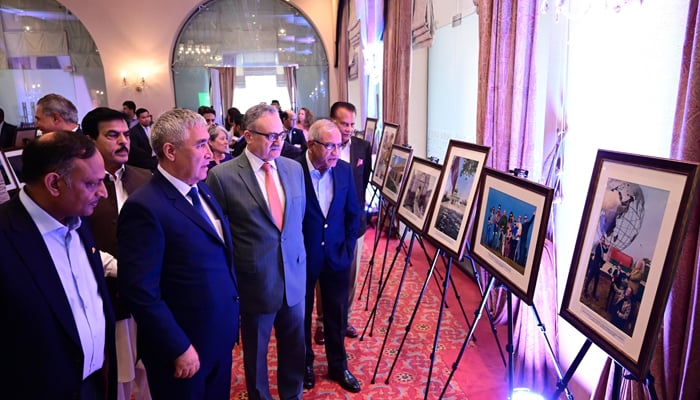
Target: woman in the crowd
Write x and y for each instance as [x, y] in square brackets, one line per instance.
[304, 120]
[218, 143]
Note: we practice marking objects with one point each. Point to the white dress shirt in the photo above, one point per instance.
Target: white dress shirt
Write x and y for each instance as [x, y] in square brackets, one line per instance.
[323, 185]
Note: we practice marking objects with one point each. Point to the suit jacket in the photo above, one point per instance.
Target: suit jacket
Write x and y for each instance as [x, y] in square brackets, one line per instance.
[103, 223]
[270, 265]
[42, 356]
[8, 134]
[296, 136]
[141, 152]
[176, 274]
[361, 164]
[330, 240]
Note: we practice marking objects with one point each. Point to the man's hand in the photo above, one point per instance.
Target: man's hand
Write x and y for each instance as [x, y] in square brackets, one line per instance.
[187, 364]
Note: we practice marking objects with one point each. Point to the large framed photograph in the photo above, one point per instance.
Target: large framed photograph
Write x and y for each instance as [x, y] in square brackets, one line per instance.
[509, 230]
[457, 187]
[14, 162]
[7, 175]
[627, 251]
[399, 159]
[418, 193]
[381, 164]
[370, 130]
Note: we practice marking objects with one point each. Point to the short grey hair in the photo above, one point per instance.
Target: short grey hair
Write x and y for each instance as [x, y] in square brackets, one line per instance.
[256, 112]
[55, 103]
[215, 130]
[320, 126]
[171, 127]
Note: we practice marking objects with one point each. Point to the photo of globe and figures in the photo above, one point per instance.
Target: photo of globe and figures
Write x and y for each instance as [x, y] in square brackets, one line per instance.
[507, 228]
[625, 238]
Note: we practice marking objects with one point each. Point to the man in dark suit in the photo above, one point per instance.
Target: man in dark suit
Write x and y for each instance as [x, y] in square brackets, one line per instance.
[358, 153]
[176, 267]
[141, 153]
[58, 326]
[109, 130]
[331, 222]
[263, 196]
[56, 113]
[8, 132]
[295, 136]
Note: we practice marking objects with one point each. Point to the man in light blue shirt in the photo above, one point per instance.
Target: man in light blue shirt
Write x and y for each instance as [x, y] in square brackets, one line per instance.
[58, 314]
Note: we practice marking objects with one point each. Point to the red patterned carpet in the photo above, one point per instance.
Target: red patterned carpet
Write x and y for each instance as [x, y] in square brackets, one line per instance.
[481, 375]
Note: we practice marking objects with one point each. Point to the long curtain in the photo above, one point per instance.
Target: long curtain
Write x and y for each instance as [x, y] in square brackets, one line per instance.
[227, 84]
[290, 76]
[342, 46]
[506, 122]
[397, 64]
[676, 360]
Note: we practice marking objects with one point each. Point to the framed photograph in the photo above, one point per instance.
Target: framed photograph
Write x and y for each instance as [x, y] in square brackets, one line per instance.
[627, 251]
[14, 161]
[457, 187]
[399, 159]
[370, 130]
[7, 174]
[381, 164]
[418, 193]
[509, 231]
[24, 136]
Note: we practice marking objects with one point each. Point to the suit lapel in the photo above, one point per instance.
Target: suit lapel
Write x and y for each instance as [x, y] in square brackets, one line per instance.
[248, 177]
[182, 205]
[310, 192]
[31, 248]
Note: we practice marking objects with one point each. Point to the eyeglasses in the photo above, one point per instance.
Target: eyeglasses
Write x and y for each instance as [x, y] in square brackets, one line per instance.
[329, 146]
[272, 136]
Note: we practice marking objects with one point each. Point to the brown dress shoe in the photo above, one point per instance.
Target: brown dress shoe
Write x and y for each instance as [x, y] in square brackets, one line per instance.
[319, 338]
[350, 332]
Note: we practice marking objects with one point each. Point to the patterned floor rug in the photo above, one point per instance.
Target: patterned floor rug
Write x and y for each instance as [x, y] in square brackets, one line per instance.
[481, 374]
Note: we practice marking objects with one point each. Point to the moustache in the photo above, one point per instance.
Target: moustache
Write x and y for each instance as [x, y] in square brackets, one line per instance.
[122, 149]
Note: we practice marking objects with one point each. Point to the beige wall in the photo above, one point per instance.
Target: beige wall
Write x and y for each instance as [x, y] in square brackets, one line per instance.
[138, 37]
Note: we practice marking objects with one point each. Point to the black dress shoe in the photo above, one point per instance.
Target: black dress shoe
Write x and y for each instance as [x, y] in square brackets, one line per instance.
[350, 332]
[347, 381]
[309, 380]
[319, 337]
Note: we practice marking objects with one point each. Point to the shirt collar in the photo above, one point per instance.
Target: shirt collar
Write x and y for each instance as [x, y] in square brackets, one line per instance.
[256, 162]
[180, 186]
[118, 174]
[43, 220]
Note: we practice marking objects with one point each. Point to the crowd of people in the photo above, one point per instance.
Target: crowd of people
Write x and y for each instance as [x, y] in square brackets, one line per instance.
[507, 234]
[138, 253]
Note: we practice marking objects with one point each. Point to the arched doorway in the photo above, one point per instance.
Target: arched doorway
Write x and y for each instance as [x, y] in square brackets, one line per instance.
[240, 53]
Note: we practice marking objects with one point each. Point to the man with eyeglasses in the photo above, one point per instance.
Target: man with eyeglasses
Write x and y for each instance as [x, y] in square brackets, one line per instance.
[263, 196]
[331, 223]
[358, 153]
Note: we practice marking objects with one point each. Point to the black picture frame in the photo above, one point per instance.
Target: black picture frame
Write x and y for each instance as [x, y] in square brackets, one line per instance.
[632, 228]
[399, 160]
[457, 187]
[509, 230]
[418, 193]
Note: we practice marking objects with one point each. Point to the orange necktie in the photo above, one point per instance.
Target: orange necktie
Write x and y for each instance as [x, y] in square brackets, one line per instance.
[273, 197]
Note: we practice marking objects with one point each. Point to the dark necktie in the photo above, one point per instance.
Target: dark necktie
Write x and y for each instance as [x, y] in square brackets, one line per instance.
[197, 204]
[111, 192]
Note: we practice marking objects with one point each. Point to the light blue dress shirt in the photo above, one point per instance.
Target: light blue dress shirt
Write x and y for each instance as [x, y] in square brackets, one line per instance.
[79, 284]
[323, 185]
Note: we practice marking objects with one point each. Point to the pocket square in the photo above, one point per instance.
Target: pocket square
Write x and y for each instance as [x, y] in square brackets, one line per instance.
[360, 162]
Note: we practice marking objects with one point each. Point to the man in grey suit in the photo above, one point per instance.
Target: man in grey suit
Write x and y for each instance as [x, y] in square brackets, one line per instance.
[264, 198]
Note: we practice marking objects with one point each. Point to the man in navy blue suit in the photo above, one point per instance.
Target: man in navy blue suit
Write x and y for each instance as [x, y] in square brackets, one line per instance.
[331, 223]
[176, 267]
[57, 321]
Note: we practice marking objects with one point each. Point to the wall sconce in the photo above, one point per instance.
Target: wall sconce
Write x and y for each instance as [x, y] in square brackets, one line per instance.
[139, 87]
